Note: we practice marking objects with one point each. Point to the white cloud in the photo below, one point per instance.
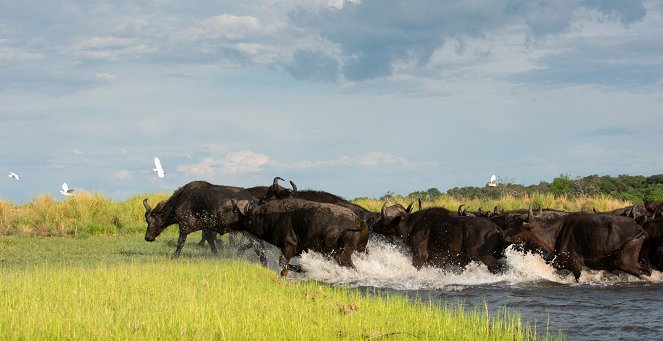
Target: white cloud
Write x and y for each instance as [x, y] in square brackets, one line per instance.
[234, 163]
[123, 175]
[15, 54]
[109, 48]
[104, 76]
[371, 159]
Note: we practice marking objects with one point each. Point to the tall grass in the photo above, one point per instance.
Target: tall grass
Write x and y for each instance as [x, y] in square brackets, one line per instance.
[82, 214]
[505, 203]
[125, 293]
[87, 214]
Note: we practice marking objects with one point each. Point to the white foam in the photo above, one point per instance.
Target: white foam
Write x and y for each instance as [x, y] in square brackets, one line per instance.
[388, 266]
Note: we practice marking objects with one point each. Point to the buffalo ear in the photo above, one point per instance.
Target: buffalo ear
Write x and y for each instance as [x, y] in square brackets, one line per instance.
[159, 206]
[242, 206]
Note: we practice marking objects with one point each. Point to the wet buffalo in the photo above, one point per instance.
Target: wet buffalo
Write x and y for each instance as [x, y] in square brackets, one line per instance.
[596, 241]
[655, 208]
[440, 238]
[297, 225]
[276, 191]
[652, 250]
[195, 206]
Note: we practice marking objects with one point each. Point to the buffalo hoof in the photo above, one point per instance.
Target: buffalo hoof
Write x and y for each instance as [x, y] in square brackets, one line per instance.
[295, 268]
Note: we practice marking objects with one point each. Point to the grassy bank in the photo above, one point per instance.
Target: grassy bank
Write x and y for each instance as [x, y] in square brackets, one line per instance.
[122, 287]
[94, 214]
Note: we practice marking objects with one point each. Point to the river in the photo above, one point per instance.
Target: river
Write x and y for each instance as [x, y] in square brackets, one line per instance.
[600, 306]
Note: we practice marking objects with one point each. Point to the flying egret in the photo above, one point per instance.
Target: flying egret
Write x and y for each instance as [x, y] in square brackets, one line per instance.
[14, 176]
[493, 181]
[158, 168]
[66, 191]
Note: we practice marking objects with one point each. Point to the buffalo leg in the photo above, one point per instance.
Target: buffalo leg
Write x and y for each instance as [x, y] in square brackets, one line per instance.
[348, 245]
[287, 251]
[210, 235]
[628, 258]
[180, 244]
[203, 239]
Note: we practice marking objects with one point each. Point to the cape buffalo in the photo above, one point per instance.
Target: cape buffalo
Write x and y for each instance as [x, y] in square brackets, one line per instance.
[439, 238]
[655, 208]
[296, 225]
[652, 250]
[597, 241]
[275, 191]
[195, 206]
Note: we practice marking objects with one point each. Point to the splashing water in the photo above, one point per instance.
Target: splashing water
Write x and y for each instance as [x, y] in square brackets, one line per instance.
[386, 265]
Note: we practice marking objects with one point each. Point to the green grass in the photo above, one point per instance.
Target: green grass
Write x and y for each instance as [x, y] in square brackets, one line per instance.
[121, 287]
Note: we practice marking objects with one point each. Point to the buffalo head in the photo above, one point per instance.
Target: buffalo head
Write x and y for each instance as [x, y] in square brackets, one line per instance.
[533, 232]
[393, 221]
[277, 191]
[156, 220]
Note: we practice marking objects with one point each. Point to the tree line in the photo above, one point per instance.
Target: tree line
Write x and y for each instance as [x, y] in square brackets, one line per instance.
[634, 188]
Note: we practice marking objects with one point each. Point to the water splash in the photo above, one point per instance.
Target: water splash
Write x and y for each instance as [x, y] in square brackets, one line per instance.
[386, 265]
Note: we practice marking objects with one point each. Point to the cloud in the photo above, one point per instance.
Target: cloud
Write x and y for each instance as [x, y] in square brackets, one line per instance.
[107, 77]
[230, 27]
[109, 48]
[310, 65]
[234, 163]
[610, 131]
[371, 159]
[123, 175]
[8, 54]
[376, 35]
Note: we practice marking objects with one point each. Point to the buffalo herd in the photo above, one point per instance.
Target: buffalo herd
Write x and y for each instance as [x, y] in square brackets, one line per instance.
[628, 239]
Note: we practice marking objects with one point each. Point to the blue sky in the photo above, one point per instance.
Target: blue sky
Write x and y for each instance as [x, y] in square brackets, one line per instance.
[353, 97]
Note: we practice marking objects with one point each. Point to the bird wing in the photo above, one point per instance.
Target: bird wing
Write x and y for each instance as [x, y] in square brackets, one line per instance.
[493, 178]
[158, 169]
[65, 188]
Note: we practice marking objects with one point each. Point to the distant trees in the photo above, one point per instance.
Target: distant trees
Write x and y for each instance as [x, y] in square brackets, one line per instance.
[625, 187]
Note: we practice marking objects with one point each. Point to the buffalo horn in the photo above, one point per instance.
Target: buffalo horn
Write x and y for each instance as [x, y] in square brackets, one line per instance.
[276, 181]
[419, 204]
[409, 207]
[147, 206]
[294, 187]
[459, 209]
[529, 213]
[383, 212]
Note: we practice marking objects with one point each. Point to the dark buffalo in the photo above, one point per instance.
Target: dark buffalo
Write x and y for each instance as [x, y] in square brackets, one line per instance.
[655, 208]
[297, 225]
[275, 191]
[195, 206]
[440, 238]
[597, 241]
[652, 250]
[639, 213]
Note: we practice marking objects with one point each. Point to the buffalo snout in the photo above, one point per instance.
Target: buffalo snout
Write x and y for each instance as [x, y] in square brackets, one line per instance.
[149, 238]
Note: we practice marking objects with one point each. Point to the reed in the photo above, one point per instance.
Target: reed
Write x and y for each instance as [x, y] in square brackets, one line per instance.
[129, 289]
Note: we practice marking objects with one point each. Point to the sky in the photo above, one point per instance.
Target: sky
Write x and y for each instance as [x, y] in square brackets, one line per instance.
[358, 98]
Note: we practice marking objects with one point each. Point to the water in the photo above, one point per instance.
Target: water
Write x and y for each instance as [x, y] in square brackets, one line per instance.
[601, 306]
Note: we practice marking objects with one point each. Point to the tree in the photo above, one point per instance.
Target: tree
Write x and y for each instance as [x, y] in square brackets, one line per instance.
[561, 186]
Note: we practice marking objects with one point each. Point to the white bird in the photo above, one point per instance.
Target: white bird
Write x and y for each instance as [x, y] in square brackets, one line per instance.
[66, 191]
[493, 181]
[14, 176]
[158, 168]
